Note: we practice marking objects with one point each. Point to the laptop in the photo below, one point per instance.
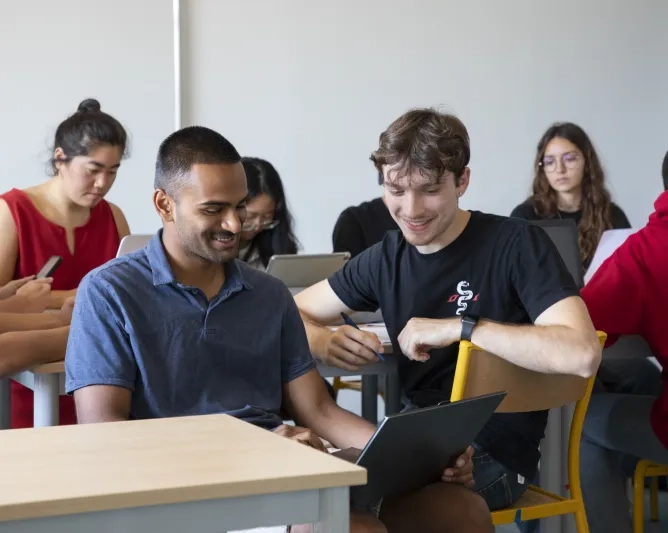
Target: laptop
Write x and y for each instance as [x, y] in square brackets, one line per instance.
[412, 449]
[299, 272]
[564, 235]
[130, 243]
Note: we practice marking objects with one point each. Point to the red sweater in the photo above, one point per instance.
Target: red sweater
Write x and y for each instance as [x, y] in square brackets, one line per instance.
[95, 243]
[627, 296]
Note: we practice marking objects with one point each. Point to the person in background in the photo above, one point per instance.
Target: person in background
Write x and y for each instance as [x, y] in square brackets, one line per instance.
[66, 216]
[149, 335]
[569, 183]
[360, 227]
[268, 229]
[626, 296]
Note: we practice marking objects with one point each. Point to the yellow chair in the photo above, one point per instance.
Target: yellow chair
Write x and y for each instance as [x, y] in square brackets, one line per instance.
[479, 373]
[646, 469]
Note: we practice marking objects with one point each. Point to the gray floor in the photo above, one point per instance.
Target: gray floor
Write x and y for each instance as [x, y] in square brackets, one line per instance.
[650, 527]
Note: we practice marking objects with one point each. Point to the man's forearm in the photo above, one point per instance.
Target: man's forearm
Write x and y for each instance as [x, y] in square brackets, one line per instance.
[342, 428]
[546, 349]
[318, 336]
[30, 321]
[20, 350]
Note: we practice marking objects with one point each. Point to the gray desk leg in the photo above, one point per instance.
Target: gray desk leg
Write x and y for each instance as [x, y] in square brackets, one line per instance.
[46, 407]
[334, 511]
[5, 403]
[370, 398]
[392, 394]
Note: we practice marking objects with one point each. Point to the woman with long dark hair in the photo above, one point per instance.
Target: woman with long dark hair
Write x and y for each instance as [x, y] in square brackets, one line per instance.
[569, 182]
[268, 229]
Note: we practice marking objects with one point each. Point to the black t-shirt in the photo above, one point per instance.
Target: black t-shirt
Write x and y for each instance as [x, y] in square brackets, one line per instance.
[359, 227]
[499, 268]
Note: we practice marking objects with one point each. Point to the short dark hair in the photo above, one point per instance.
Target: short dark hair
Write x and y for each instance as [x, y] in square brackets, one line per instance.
[425, 140]
[88, 128]
[194, 145]
[664, 172]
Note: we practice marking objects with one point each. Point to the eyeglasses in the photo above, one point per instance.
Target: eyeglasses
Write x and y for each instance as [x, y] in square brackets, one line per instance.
[568, 160]
[262, 225]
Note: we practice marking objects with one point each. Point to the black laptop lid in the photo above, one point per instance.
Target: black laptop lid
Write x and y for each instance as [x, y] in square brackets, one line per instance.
[412, 449]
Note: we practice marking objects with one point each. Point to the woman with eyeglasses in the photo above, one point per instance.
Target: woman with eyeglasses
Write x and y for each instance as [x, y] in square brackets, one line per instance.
[268, 227]
[569, 182]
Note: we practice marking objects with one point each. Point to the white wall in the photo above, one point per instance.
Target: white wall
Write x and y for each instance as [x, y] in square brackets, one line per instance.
[55, 54]
[310, 86]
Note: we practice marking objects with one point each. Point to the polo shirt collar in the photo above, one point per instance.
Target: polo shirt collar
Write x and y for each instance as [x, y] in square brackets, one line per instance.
[163, 274]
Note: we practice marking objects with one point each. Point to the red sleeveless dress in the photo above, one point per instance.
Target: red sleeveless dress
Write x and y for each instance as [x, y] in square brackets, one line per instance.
[95, 243]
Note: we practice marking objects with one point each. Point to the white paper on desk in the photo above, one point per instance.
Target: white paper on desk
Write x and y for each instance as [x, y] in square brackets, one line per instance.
[610, 241]
[379, 329]
[375, 327]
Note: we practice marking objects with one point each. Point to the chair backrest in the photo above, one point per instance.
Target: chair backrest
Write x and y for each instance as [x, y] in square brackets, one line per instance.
[564, 235]
[479, 372]
[130, 243]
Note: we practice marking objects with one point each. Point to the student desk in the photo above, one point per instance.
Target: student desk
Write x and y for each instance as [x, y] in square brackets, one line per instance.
[196, 474]
[47, 382]
[370, 375]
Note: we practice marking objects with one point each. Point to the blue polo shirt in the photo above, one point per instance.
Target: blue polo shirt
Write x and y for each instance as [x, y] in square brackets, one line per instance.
[135, 326]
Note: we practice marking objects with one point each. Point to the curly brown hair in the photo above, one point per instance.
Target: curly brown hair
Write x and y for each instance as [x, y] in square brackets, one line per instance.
[425, 140]
[595, 203]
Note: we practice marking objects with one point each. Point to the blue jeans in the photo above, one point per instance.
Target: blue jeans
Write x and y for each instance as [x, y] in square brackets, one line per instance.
[604, 472]
[617, 433]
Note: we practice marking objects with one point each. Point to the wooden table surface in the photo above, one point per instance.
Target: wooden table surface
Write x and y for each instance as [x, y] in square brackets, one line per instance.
[75, 469]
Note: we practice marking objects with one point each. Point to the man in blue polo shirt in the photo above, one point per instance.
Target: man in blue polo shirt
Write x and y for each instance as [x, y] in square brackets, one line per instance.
[183, 328]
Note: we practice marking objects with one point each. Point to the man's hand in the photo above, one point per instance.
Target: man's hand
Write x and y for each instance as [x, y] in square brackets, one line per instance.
[462, 472]
[34, 295]
[423, 334]
[10, 288]
[305, 436]
[350, 348]
[66, 311]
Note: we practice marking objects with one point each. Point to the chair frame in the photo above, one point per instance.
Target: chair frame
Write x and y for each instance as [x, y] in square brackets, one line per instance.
[645, 469]
[526, 509]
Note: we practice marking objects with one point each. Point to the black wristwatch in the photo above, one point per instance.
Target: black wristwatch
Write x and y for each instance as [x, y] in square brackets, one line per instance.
[468, 323]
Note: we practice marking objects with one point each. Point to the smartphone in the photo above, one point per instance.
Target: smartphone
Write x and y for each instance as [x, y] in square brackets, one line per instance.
[49, 267]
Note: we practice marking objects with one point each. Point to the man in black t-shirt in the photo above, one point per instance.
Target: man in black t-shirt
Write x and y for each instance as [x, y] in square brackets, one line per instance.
[448, 275]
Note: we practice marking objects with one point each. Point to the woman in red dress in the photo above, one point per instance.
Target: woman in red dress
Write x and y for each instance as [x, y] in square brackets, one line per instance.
[65, 216]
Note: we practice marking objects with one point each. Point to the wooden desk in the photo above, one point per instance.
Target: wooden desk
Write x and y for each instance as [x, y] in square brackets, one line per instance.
[196, 474]
[47, 382]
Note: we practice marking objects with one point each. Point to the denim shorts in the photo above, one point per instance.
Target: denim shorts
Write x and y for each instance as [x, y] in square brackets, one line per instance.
[499, 486]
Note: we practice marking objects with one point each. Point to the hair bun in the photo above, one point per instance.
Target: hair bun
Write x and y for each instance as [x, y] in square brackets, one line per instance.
[89, 105]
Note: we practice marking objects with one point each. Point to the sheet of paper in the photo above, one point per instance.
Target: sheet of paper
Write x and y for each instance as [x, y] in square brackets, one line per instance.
[375, 327]
[610, 241]
[379, 329]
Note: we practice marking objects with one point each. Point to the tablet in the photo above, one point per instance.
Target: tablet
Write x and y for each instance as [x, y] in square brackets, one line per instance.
[302, 271]
[412, 449]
